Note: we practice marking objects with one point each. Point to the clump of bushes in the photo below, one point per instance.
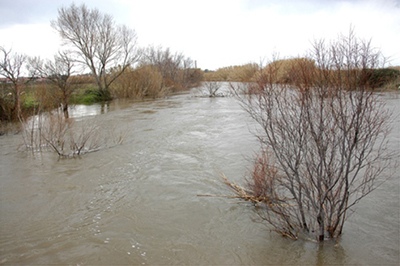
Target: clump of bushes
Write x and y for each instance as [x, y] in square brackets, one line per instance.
[33, 99]
[87, 95]
[286, 71]
[6, 104]
[382, 77]
[159, 73]
[90, 96]
[144, 81]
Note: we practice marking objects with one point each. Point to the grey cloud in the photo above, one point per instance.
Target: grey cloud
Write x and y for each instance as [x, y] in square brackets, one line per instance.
[40, 11]
[27, 11]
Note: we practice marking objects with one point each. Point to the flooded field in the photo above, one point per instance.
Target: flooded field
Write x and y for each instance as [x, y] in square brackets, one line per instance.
[137, 203]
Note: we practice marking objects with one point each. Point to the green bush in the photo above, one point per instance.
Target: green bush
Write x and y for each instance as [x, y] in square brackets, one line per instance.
[383, 76]
[88, 97]
[87, 94]
[30, 101]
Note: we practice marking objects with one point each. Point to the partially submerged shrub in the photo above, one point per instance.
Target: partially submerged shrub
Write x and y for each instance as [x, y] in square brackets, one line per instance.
[210, 88]
[325, 133]
[64, 136]
[144, 81]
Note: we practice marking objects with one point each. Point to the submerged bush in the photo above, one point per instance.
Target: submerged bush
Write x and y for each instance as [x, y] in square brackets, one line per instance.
[66, 137]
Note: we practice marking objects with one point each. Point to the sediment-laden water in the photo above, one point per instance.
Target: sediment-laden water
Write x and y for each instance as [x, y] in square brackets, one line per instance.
[138, 203]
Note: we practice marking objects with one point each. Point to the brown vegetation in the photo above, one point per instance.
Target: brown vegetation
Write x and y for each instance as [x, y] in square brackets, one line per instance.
[243, 73]
[138, 83]
[284, 71]
[59, 73]
[159, 73]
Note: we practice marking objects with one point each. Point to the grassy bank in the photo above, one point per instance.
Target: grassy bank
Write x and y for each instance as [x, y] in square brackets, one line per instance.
[87, 94]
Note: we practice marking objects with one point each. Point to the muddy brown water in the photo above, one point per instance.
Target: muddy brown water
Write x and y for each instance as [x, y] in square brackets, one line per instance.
[137, 203]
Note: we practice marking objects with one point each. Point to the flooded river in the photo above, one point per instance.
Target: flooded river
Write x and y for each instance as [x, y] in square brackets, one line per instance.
[137, 203]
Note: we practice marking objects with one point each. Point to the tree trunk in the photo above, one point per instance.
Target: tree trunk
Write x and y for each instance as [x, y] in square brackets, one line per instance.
[320, 220]
[65, 104]
[65, 110]
[17, 107]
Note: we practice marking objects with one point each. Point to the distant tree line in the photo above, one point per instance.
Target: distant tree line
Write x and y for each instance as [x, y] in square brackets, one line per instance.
[287, 70]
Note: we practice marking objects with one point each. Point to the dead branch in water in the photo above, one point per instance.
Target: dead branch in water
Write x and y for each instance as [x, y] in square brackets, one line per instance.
[261, 202]
[241, 193]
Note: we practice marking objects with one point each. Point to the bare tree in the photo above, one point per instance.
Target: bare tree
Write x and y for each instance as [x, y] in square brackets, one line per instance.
[190, 75]
[166, 62]
[176, 69]
[58, 72]
[323, 138]
[99, 43]
[211, 87]
[11, 67]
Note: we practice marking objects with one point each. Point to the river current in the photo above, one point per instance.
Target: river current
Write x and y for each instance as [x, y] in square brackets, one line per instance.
[137, 203]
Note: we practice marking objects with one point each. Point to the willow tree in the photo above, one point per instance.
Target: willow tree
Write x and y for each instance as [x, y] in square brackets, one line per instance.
[323, 136]
[99, 43]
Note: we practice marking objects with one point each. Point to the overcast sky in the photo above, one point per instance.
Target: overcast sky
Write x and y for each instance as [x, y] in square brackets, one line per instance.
[215, 33]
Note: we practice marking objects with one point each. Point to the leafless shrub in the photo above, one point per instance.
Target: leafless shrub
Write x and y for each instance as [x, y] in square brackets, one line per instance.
[178, 72]
[323, 137]
[59, 73]
[66, 137]
[210, 88]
